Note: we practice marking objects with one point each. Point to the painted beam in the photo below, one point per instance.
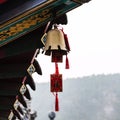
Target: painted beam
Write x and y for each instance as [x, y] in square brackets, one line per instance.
[34, 17]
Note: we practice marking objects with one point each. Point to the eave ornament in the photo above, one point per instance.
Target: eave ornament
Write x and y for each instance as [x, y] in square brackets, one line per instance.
[56, 45]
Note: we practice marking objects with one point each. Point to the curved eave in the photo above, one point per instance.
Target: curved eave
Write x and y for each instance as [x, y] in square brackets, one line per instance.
[13, 75]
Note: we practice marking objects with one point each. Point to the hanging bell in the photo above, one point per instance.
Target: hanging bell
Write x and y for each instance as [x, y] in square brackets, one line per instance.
[55, 45]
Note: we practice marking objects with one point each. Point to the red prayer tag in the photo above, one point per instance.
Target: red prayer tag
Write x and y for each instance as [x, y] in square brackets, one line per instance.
[56, 82]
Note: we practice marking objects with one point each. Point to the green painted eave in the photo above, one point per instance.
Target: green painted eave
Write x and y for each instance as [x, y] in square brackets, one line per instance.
[34, 18]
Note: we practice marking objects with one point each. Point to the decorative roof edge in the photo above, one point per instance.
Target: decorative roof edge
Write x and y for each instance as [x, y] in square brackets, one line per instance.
[34, 18]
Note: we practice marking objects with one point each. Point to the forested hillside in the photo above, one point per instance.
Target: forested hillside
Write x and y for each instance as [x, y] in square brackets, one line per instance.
[88, 98]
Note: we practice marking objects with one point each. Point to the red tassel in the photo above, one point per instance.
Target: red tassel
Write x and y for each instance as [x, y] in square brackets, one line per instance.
[67, 63]
[56, 103]
[56, 68]
[66, 42]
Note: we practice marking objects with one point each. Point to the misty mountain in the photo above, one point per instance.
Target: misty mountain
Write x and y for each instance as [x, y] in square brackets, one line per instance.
[88, 98]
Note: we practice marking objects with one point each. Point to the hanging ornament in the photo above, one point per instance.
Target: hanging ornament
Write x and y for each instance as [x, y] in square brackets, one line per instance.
[66, 40]
[16, 104]
[68, 49]
[56, 56]
[56, 102]
[43, 39]
[55, 44]
[11, 115]
[67, 63]
[56, 85]
[56, 80]
[23, 89]
[31, 69]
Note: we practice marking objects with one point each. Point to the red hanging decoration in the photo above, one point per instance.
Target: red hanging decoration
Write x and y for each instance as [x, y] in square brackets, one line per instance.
[56, 45]
[56, 68]
[68, 49]
[66, 41]
[56, 80]
[56, 56]
[56, 85]
[56, 102]
[67, 63]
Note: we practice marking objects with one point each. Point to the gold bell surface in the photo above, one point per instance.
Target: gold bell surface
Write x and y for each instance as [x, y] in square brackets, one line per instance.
[55, 41]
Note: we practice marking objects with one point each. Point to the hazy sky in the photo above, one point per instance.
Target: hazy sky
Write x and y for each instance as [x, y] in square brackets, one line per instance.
[93, 32]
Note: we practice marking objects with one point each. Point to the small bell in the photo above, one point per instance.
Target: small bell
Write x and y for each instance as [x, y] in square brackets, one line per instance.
[55, 44]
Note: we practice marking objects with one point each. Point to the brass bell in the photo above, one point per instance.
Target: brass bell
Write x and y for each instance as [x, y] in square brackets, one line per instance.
[55, 44]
